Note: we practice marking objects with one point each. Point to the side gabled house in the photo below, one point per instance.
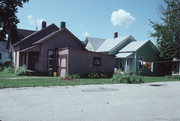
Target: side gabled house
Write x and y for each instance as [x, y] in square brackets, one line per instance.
[52, 48]
[130, 53]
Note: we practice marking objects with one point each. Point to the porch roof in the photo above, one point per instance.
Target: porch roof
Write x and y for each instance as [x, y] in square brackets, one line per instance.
[32, 48]
[124, 55]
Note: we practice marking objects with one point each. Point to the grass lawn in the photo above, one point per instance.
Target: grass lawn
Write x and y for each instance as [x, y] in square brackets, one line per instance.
[13, 81]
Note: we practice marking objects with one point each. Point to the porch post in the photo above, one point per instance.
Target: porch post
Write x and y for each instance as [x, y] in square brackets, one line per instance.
[135, 62]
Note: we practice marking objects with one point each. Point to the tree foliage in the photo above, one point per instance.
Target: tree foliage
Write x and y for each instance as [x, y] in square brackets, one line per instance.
[167, 33]
[8, 18]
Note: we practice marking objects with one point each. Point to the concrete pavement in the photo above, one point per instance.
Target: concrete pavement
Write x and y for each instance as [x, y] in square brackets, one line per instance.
[117, 102]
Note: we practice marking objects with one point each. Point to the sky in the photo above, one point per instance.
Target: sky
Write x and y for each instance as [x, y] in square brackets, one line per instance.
[94, 18]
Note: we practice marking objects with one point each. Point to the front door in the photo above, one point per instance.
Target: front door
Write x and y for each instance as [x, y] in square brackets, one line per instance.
[62, 63]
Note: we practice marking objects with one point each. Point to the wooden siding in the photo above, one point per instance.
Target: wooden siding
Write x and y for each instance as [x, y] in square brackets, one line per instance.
[62, 40]
[82, 62]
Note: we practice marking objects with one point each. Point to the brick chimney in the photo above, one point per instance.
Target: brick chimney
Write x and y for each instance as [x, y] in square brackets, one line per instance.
[43, 25]
[63, 25]
[115, 35]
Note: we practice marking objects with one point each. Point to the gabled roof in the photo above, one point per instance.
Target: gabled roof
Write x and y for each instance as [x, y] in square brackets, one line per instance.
[56, 33]
[135, 45]
[95, 42]
[46, 31]
[110, 44]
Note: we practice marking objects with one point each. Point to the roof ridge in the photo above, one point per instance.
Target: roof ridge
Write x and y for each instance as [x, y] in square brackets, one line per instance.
[55, 33]
[25, 30]
[36, 32]
[95, 38]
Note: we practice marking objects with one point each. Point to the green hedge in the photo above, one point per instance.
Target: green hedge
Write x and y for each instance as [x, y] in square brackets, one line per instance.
[126, 78]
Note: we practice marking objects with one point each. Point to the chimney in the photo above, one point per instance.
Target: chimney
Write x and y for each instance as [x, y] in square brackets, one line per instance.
[63, 25]
[115, 35]
[43, 24]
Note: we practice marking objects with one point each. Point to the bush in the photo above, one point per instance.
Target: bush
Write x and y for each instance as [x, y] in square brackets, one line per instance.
[73, 76]
[100, 75]
[9, 69]
[126, 78]
[20, 71]
[7, 63]
[94, 75]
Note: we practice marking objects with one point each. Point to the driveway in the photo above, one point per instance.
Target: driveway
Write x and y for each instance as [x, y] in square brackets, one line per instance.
[117, 102]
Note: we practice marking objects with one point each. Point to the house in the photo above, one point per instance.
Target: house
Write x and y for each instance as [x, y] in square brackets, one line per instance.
[132, 56]
[139, 57]
[57, 49]
[4, 54]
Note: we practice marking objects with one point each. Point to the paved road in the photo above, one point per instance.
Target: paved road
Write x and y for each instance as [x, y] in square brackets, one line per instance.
[92, 103]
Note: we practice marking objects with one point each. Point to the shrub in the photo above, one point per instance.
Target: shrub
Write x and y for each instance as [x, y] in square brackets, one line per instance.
[74, 76]
[7, 63]
[100, 75]
[9, 69]
[126, 78]
[94, 75]
[22, 70]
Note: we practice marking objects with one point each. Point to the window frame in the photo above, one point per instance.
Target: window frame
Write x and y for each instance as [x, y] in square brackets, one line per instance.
[97, 59]
[51, 58]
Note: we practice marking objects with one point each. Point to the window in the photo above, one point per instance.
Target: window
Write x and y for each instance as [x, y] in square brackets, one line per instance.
[97, 61]
[51, 58]
[0, 56]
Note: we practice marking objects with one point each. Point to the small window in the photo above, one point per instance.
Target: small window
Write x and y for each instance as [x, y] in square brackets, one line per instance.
[0, 56]
[97, 61]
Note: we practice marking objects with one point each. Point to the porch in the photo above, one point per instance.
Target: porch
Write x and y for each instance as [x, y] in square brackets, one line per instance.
[126, 65]
[31, 58]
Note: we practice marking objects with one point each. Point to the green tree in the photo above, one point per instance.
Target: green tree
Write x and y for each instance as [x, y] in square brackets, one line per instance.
[167, 32]
[8, 18]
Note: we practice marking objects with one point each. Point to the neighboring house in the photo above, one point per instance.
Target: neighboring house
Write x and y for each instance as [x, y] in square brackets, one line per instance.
[4, 55]
[131, 56]
[139, 57]
[40, 52]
